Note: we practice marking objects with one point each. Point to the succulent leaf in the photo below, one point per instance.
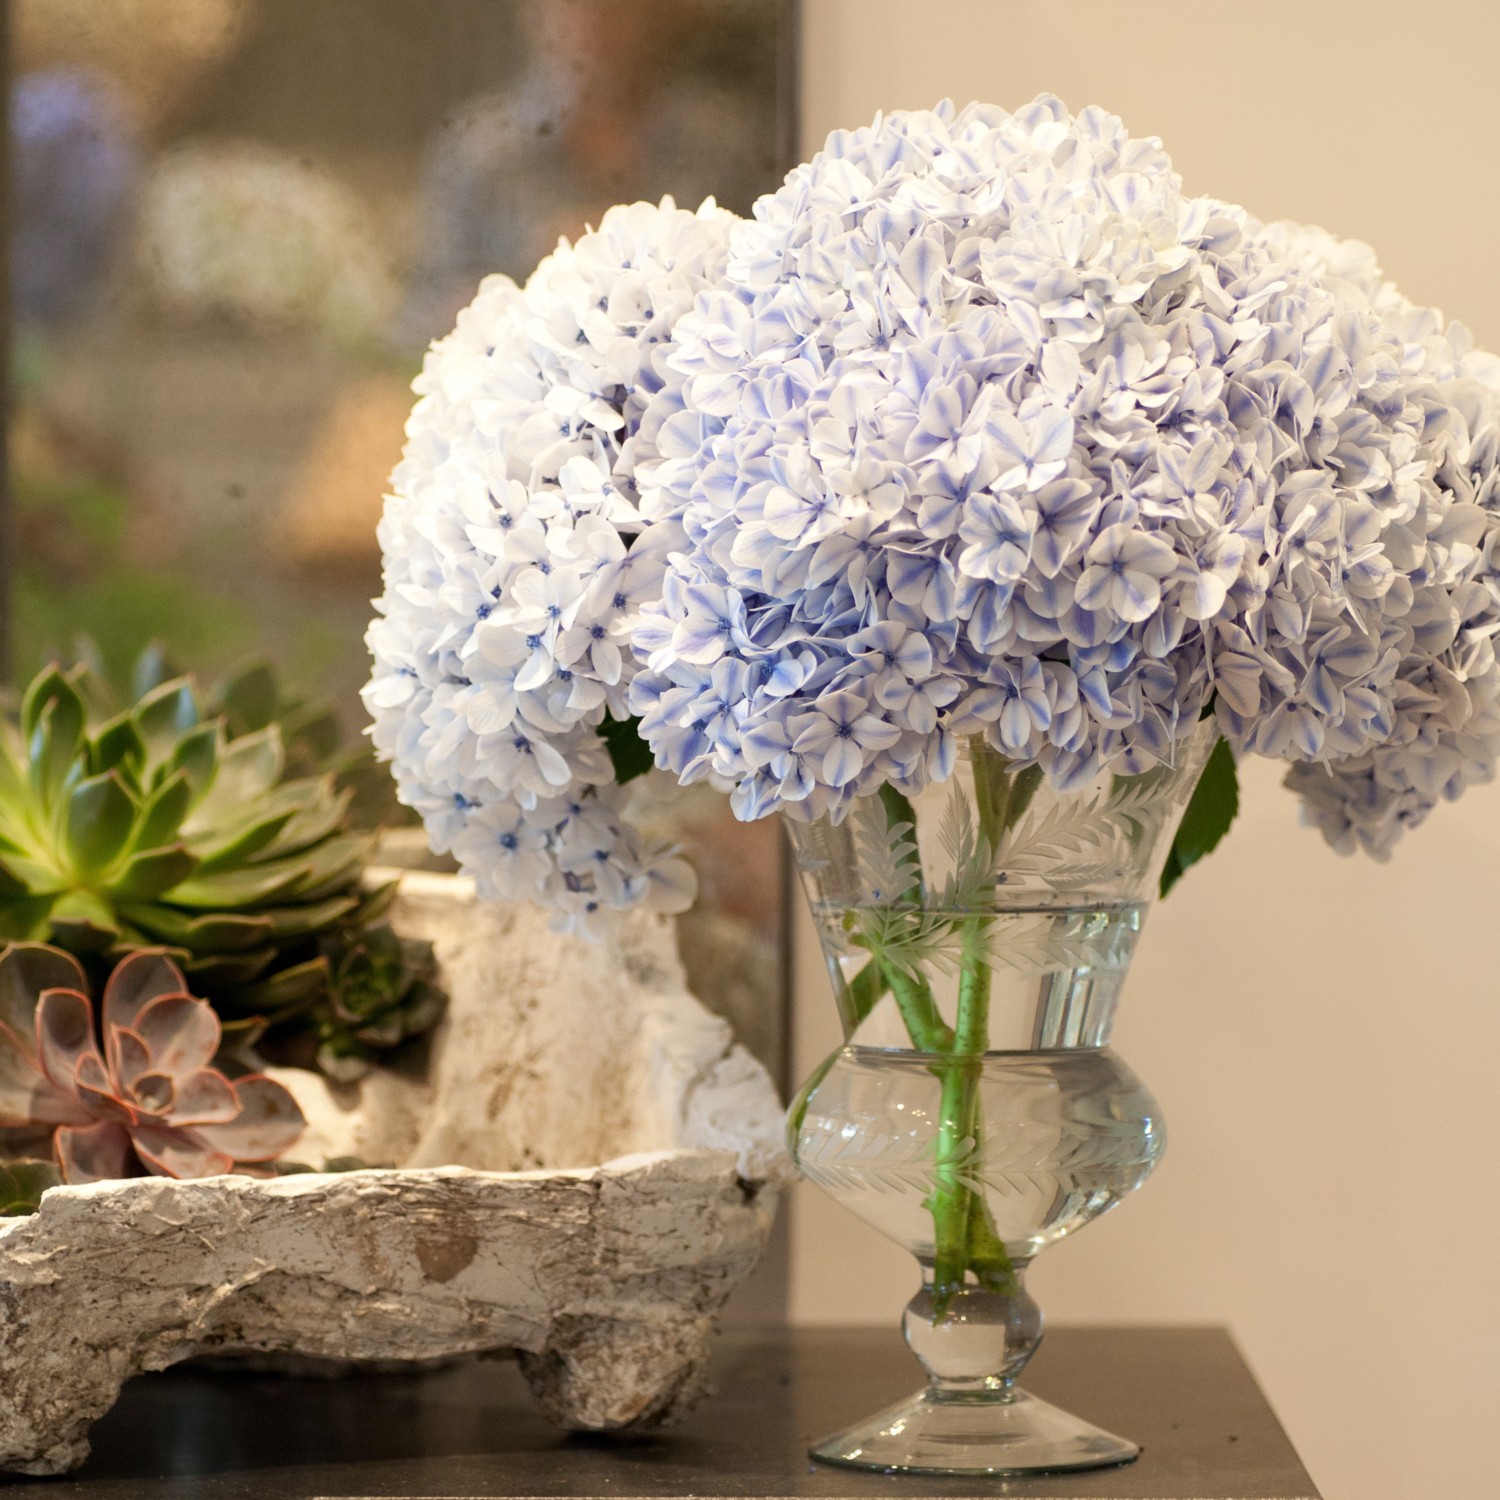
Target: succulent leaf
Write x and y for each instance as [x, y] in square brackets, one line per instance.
[14, 787]
[139, 979]
[83, 923]
[250, 885]
[218, 930]
[311, 826]
[154, 872]
[269, 1121]
[375, 904]
[205, 1097]
[167, 1154]
[316, 731]
[250, 698]
[22, 1184]
[94, 1153]
[314, 916]
[26, 920]
[118, 743]
[100, 816]
[181, 1034]
[49, 686]
[164, 715]
[151, 669]
[257, 764]
[335, 865]
[163, 814]
[240, 842]
[53, 748]
[27, 1096]
[288, 989]
[87, 680]
[30, 877]
[196, 755]
[65, 1035]
[226, 974]
[26, 970]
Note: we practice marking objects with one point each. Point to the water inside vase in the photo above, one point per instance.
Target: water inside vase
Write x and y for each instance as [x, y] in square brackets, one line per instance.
[1062, 1135]
[1055, 972]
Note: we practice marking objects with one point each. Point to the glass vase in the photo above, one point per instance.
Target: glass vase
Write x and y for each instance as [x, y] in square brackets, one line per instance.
[978, 937]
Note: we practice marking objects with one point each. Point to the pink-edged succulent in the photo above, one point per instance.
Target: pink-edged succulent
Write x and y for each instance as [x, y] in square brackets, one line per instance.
[148, 1100]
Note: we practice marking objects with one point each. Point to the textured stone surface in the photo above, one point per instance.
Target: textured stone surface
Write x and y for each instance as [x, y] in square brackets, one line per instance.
[604, 1278]
[554, 1052]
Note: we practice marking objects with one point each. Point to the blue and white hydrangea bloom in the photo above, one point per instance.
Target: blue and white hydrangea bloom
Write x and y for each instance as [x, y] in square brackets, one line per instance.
[979, 427]
[1444, 734]
[989, 429]
[514, 568]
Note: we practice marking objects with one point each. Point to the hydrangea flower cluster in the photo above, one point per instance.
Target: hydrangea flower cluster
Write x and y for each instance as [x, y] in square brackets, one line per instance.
[979, 427]
[989, 429]
[514, 569]
[1444, 734]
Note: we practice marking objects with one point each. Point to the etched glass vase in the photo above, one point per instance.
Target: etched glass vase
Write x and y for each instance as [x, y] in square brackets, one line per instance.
[978, 938]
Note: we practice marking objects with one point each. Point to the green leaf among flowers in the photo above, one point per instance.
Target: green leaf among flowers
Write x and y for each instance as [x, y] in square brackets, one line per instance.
[1214, 804]
[628, 752]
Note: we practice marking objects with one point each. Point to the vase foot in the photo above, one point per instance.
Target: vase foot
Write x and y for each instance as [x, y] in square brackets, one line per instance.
[941, 1433]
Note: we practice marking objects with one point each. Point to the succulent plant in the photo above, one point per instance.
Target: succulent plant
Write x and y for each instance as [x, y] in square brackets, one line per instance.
[251, 699]
[22, 1184]
[148, 1100]
[160, 826]
[383, 991]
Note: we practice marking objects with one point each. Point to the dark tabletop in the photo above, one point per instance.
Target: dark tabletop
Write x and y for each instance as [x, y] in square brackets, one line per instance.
[1184, 1394]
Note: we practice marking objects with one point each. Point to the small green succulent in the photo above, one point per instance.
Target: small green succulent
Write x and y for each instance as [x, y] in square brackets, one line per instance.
[382, 992]
[22, 1184]
[159, 825]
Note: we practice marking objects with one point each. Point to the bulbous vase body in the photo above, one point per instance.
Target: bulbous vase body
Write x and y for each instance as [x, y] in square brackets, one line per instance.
[978, 937]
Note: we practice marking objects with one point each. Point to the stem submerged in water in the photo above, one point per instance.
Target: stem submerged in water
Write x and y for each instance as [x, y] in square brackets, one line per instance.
[965, 1239]
[966, 1242]
[960, 1217]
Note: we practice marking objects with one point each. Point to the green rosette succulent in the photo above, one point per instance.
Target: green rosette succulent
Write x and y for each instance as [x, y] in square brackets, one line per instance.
[160, 826]
[382, 992]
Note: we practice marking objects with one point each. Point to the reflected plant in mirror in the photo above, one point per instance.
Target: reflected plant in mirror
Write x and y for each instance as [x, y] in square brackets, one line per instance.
[235, 227]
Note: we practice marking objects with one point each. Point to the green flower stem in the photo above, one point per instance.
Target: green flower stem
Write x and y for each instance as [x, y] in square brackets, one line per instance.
[988, 1257]
[925, 1025]
[965, 1239]
[958, 1197]
[898, 810]
[914, 997]
[964, 1234]
[866, 990]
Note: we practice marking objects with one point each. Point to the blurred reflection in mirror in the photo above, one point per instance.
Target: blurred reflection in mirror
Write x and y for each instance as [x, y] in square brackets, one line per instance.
[234, 227]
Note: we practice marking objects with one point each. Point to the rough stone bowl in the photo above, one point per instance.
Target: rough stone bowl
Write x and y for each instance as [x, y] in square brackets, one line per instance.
[621, 1161]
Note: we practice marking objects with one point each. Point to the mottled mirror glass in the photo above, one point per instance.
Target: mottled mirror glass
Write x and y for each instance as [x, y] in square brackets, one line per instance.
[234, 227]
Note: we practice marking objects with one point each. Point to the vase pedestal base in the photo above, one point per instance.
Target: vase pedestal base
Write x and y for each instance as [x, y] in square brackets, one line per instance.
[939, 1432]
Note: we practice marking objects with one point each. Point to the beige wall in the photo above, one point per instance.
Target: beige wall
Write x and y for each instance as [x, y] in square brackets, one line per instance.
[1323, 1034]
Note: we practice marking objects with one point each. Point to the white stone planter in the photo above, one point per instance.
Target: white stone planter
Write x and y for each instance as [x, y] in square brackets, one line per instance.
[620, 1164]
